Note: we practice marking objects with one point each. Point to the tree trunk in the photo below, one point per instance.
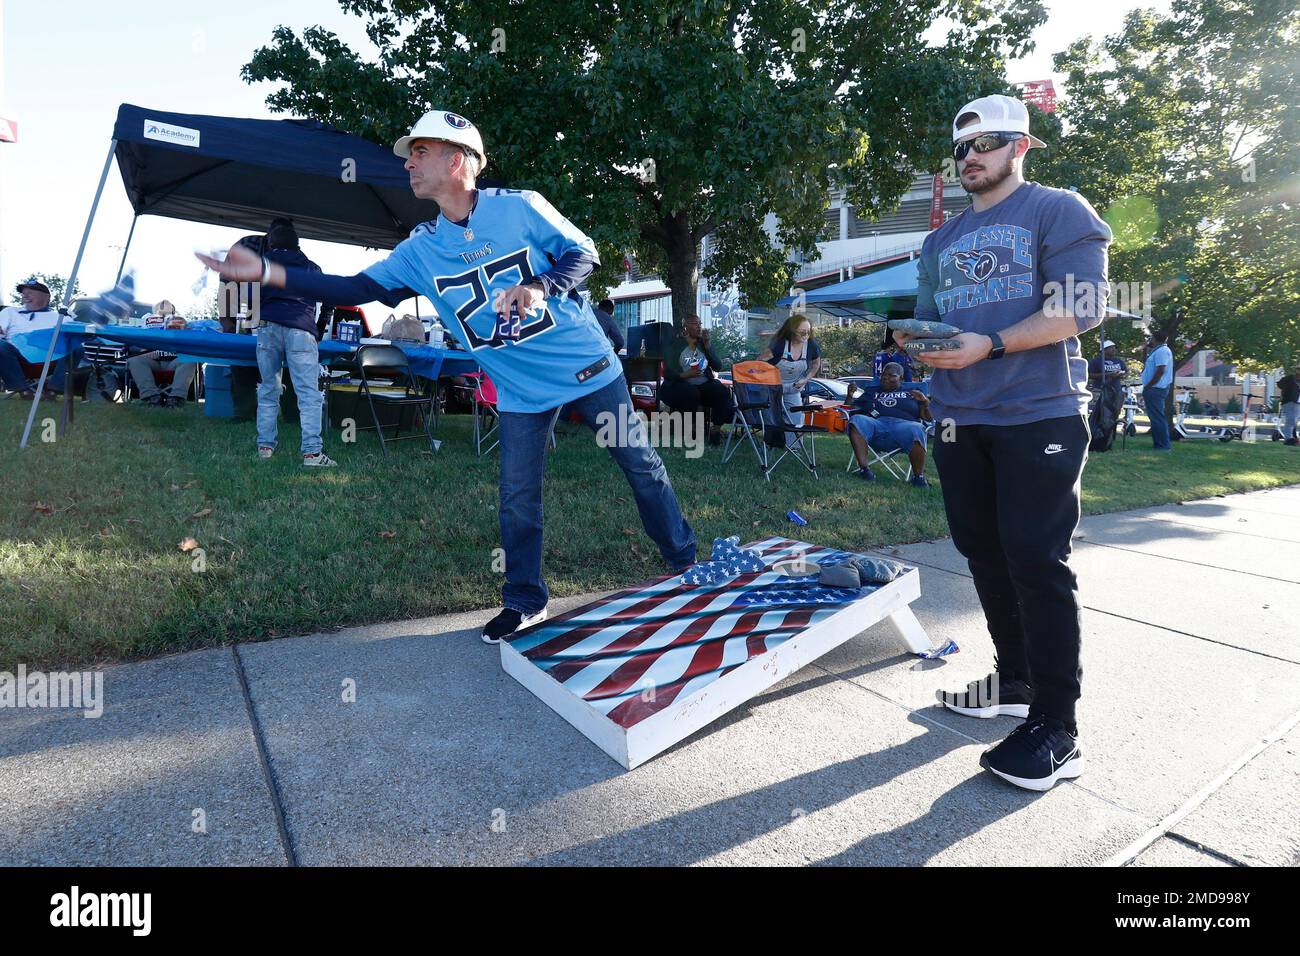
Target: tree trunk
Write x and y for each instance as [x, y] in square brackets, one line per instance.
[683, 268]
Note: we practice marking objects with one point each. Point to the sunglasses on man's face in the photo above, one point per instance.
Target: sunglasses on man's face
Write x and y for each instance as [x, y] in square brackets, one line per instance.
[984, 143]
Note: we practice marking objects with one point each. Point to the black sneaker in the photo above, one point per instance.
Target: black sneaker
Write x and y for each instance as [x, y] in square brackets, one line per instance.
[866, 474]
[1035, 755]
[992, 696]
[507, 622]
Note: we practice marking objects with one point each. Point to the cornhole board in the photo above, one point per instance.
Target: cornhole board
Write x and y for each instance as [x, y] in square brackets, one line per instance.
[646, 667]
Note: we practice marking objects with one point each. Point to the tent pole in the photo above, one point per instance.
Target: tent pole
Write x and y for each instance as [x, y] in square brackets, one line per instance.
[68, 386]
[125, 249]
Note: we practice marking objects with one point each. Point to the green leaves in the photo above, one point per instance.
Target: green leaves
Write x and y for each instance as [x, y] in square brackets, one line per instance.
[747, 108]
[1182, 132]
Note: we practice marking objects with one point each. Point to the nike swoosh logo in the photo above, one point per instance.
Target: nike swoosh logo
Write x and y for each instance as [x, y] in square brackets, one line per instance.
[1052, 451]
[1059, 763]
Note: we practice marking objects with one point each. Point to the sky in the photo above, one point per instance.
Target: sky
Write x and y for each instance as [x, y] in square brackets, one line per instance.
[66, 66]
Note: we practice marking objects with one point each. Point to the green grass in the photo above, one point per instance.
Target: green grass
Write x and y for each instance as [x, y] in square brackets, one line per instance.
[291, 551]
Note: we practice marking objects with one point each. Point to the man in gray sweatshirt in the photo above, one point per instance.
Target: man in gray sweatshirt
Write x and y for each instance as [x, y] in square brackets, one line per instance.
[1022, 272]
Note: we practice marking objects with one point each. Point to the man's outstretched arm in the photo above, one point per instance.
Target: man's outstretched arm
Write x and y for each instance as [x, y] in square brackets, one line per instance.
[244, 265]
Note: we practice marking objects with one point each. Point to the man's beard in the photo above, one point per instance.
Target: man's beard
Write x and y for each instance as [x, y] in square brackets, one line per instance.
[992, 177]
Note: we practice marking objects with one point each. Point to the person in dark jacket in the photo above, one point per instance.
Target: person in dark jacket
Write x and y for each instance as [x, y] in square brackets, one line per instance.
[286, 335]
[1289, 393]
[605, 316]
[690, 378]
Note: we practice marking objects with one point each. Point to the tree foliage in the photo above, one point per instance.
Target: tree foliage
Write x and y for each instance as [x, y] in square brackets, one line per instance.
[1182, 131]
[655, 123]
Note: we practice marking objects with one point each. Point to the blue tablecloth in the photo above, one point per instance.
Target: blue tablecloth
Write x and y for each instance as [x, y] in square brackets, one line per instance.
[219, 348]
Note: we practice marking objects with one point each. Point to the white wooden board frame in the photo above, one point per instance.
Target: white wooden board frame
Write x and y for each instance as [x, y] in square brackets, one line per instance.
[632, 746]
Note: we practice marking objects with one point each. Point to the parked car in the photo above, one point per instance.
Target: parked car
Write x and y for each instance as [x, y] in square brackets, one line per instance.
[821, 391]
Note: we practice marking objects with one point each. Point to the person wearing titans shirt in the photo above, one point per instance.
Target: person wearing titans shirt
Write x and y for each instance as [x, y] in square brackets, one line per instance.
[889, 417]
[1022, 272]
[502, 267]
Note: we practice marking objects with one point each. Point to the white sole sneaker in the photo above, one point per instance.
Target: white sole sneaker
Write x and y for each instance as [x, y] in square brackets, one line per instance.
[319, 461]
[1067, 771]
[993, 710]
[264, 453]
[524, 622]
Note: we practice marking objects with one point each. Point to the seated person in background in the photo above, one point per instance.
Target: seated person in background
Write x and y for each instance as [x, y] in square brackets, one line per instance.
[162, 311]
[690, 378]
[143, 366]
[889, 418]
[890, 352]
[32, 315]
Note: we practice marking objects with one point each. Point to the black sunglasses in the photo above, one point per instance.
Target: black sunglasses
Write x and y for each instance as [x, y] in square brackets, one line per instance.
[984, 143]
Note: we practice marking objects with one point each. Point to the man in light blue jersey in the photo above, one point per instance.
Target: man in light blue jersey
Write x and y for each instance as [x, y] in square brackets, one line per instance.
[502, 267]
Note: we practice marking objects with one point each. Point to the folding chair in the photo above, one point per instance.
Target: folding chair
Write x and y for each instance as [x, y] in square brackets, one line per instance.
[390, 363]
[486, 420]
[749, 400]
[885, 459]
[483, 398]
[757, 392]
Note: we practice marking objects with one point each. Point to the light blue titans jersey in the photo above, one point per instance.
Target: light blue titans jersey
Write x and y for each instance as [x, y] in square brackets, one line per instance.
[554, 356]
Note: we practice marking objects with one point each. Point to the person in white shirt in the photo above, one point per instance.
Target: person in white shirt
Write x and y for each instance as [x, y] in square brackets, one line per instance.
[1157, 376]
[19, 320]
[144, 366]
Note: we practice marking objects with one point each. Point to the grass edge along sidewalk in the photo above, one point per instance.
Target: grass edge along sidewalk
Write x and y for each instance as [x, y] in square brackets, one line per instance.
[91, 571]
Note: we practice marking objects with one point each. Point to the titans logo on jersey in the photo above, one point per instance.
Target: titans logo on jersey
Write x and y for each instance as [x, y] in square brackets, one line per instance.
[538, 361]
[989, 264]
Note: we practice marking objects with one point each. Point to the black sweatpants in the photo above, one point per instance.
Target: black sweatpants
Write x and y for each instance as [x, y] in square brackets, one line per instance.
[1012, 497]
[711, 395]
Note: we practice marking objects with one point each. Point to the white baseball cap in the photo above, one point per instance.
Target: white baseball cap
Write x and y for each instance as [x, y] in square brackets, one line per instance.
[997, 114]
[1107, 344]
[448, 127]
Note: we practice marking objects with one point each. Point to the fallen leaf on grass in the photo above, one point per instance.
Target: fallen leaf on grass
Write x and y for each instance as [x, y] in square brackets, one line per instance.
[190, 484]
[187, 545]
[202, 513]
[388, 534]
[629, 532]
[43, 508]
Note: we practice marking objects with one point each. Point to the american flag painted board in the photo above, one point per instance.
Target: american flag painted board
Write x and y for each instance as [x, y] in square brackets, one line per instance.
[643, 668]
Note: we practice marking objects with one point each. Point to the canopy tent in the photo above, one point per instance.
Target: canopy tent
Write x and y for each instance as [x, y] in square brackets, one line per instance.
[850, 299]
[242, 173]
[871, 294]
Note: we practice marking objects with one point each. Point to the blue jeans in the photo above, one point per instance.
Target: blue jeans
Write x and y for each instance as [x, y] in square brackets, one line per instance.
[13, 378]
[523, 465]
[277, 346]
[11, 373]
[1154, 399]
[889, 434]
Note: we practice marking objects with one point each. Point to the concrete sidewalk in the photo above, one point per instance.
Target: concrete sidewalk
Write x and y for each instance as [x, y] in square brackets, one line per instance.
[1189, 723]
